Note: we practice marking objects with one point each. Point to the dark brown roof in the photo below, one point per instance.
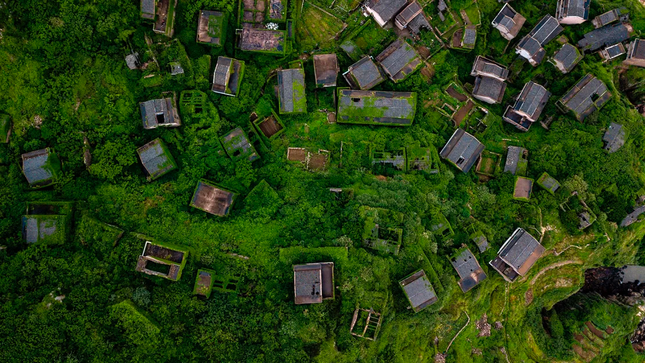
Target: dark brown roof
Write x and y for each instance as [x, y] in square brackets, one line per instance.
[212, 199]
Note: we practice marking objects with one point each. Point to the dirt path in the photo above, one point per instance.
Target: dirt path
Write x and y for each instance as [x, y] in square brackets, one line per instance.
[456, 335]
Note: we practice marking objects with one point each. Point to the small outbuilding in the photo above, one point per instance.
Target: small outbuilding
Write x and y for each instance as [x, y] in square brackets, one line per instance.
[469, 270]
[156, 159]
[227, 77]
[160, 112]
[162, 260]
[313, 282]
[517, 255]
[516, 160]
[614, 137]
[612, 52]
[291, 91]
[462, 150]
[40, 167]
[211, 27]
[418, 290]
[238, 146]
[549, 183]
[364, 74]
[508, 22]
[212, 199]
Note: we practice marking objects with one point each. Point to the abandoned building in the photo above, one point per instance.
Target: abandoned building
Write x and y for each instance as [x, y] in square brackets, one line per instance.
[148, 9]
[132, 61]
[610, 17]
[156, 159]
[399, 60]
[365, 323]
[549, 183]
[412, 18]
[383, 10]
[313, 282]
[326, 69]
[262, 40]
[517, 255]
[612, 51]
[176, 69]
[418, 290]
[632, 217]
[636, 53]
[469, 38]
[487, 68]
[587, 96]
[376, 107]
[212, 199]
[270, 126]
[528, 106]
[508, 22]
[488, 89]
[40, 167]
[364, 74]
[394, 159]
[162, 260]
[516, 160]
[566, 58]
[479, 238]
[237, 145]
[47, 222]
[605, 36]
[311, 160]
[523, 188]
[159, 112]
[572, 11]
[227, 76]
[468, 268]
[585, 220]
[614, 137]
[291, 91]
[165, 17]
[204, 283]
[462, 150]
[531, 47]
[210, 27]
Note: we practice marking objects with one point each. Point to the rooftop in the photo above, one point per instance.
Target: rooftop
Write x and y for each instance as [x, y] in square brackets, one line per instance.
[532, 100]
[40, 167]
[326, 69]
[605, 36]
[313, 282]
[227, 77]
[148, 9]
[523, 188]
[469, 270]
[587, 96]
[614, 137]
[291, 91]
[156, 159]
[575, 8]
[462, 150]
[384, 10]
[470, 37]
[418, 290]
[606, 18]
[376, 107]
[546, 30]
[212, 199]
[567, 57]
[612, 51]
[159, 112]
[364, 74]
[514, 157]
[549, 183]
[47, 228]
[489, 89]
[408, 14]
[518, 254]
[486, 67]
[237, 145]
[399, 60]
[262, 40]
[508, 22]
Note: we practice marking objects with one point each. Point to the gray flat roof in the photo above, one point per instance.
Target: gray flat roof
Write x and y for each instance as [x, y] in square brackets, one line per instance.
[419, 291]
[468, 269]
[462, 150]
[364, 74]
[521, 251]
[291, 89]
[34, 166]
[568, 56]
[614, 137]
[513, 156]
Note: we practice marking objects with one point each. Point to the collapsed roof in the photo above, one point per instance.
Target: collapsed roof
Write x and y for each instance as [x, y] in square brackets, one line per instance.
[159, 112]
[376, 107]
[587, 96]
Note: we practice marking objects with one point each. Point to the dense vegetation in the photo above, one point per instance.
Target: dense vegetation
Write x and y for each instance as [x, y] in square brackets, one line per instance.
[64, 79]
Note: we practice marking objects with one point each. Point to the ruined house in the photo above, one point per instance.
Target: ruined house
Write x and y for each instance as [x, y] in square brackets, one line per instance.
[162, 260]
[365, 323]
[237, 145]
[156, 159]
[291, 91]
[488, 89]
[313, 282]
[165, 17]
[227, 77]
[40, 167]
[364, 74]
[587, 96]
[508, 22]
[262, 40]
[549, 183]
[469, 270]
[204, 283]
[609, 17]
[632, 217]
[523, 188]
[572, 11]
[418, 290]
[462, 150]
[311, 160]
[210, 27]
[376, 107]
[160, 112]
[612, 52]
[412, 18]
[212, 199]
[531, 47]
[469, 38]
[326, 69]
[47, 222]
[516, 160]
[517, 255]
[605, 36]
[566, 58]
[528, 106]
[383, 10]
[488, 68]
[636, 53]
[614, 137]
[399, 60]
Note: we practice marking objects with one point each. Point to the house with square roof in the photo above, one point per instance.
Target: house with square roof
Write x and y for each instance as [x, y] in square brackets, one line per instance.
[612, 52]
[517, 255]
[566, 58]
[212, 199]
[364, 74]
[162, 260]
[399, 60]
[147, 10]
[572, 11]
[383, 10]
[313, 282]
[488, 89]
[326, 69]
[47, 222]
[418, 290]
[523, 188]
[605, 36]
[262, 40]
[508, 22]
[211, 28]
[160, 112]
[516, 160]
[291, 91]
[468, 268]
[636, 53]
[462, 150]
[549, 183]
[237, 145]
[587, 96]
[156, 159]
[409, 16]
[40, 167]
[469, 38]
[614, 137]
[488, 68]
[531, 47]
[376, 107]
[227, 77]
[528, 106]
[610, 17]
